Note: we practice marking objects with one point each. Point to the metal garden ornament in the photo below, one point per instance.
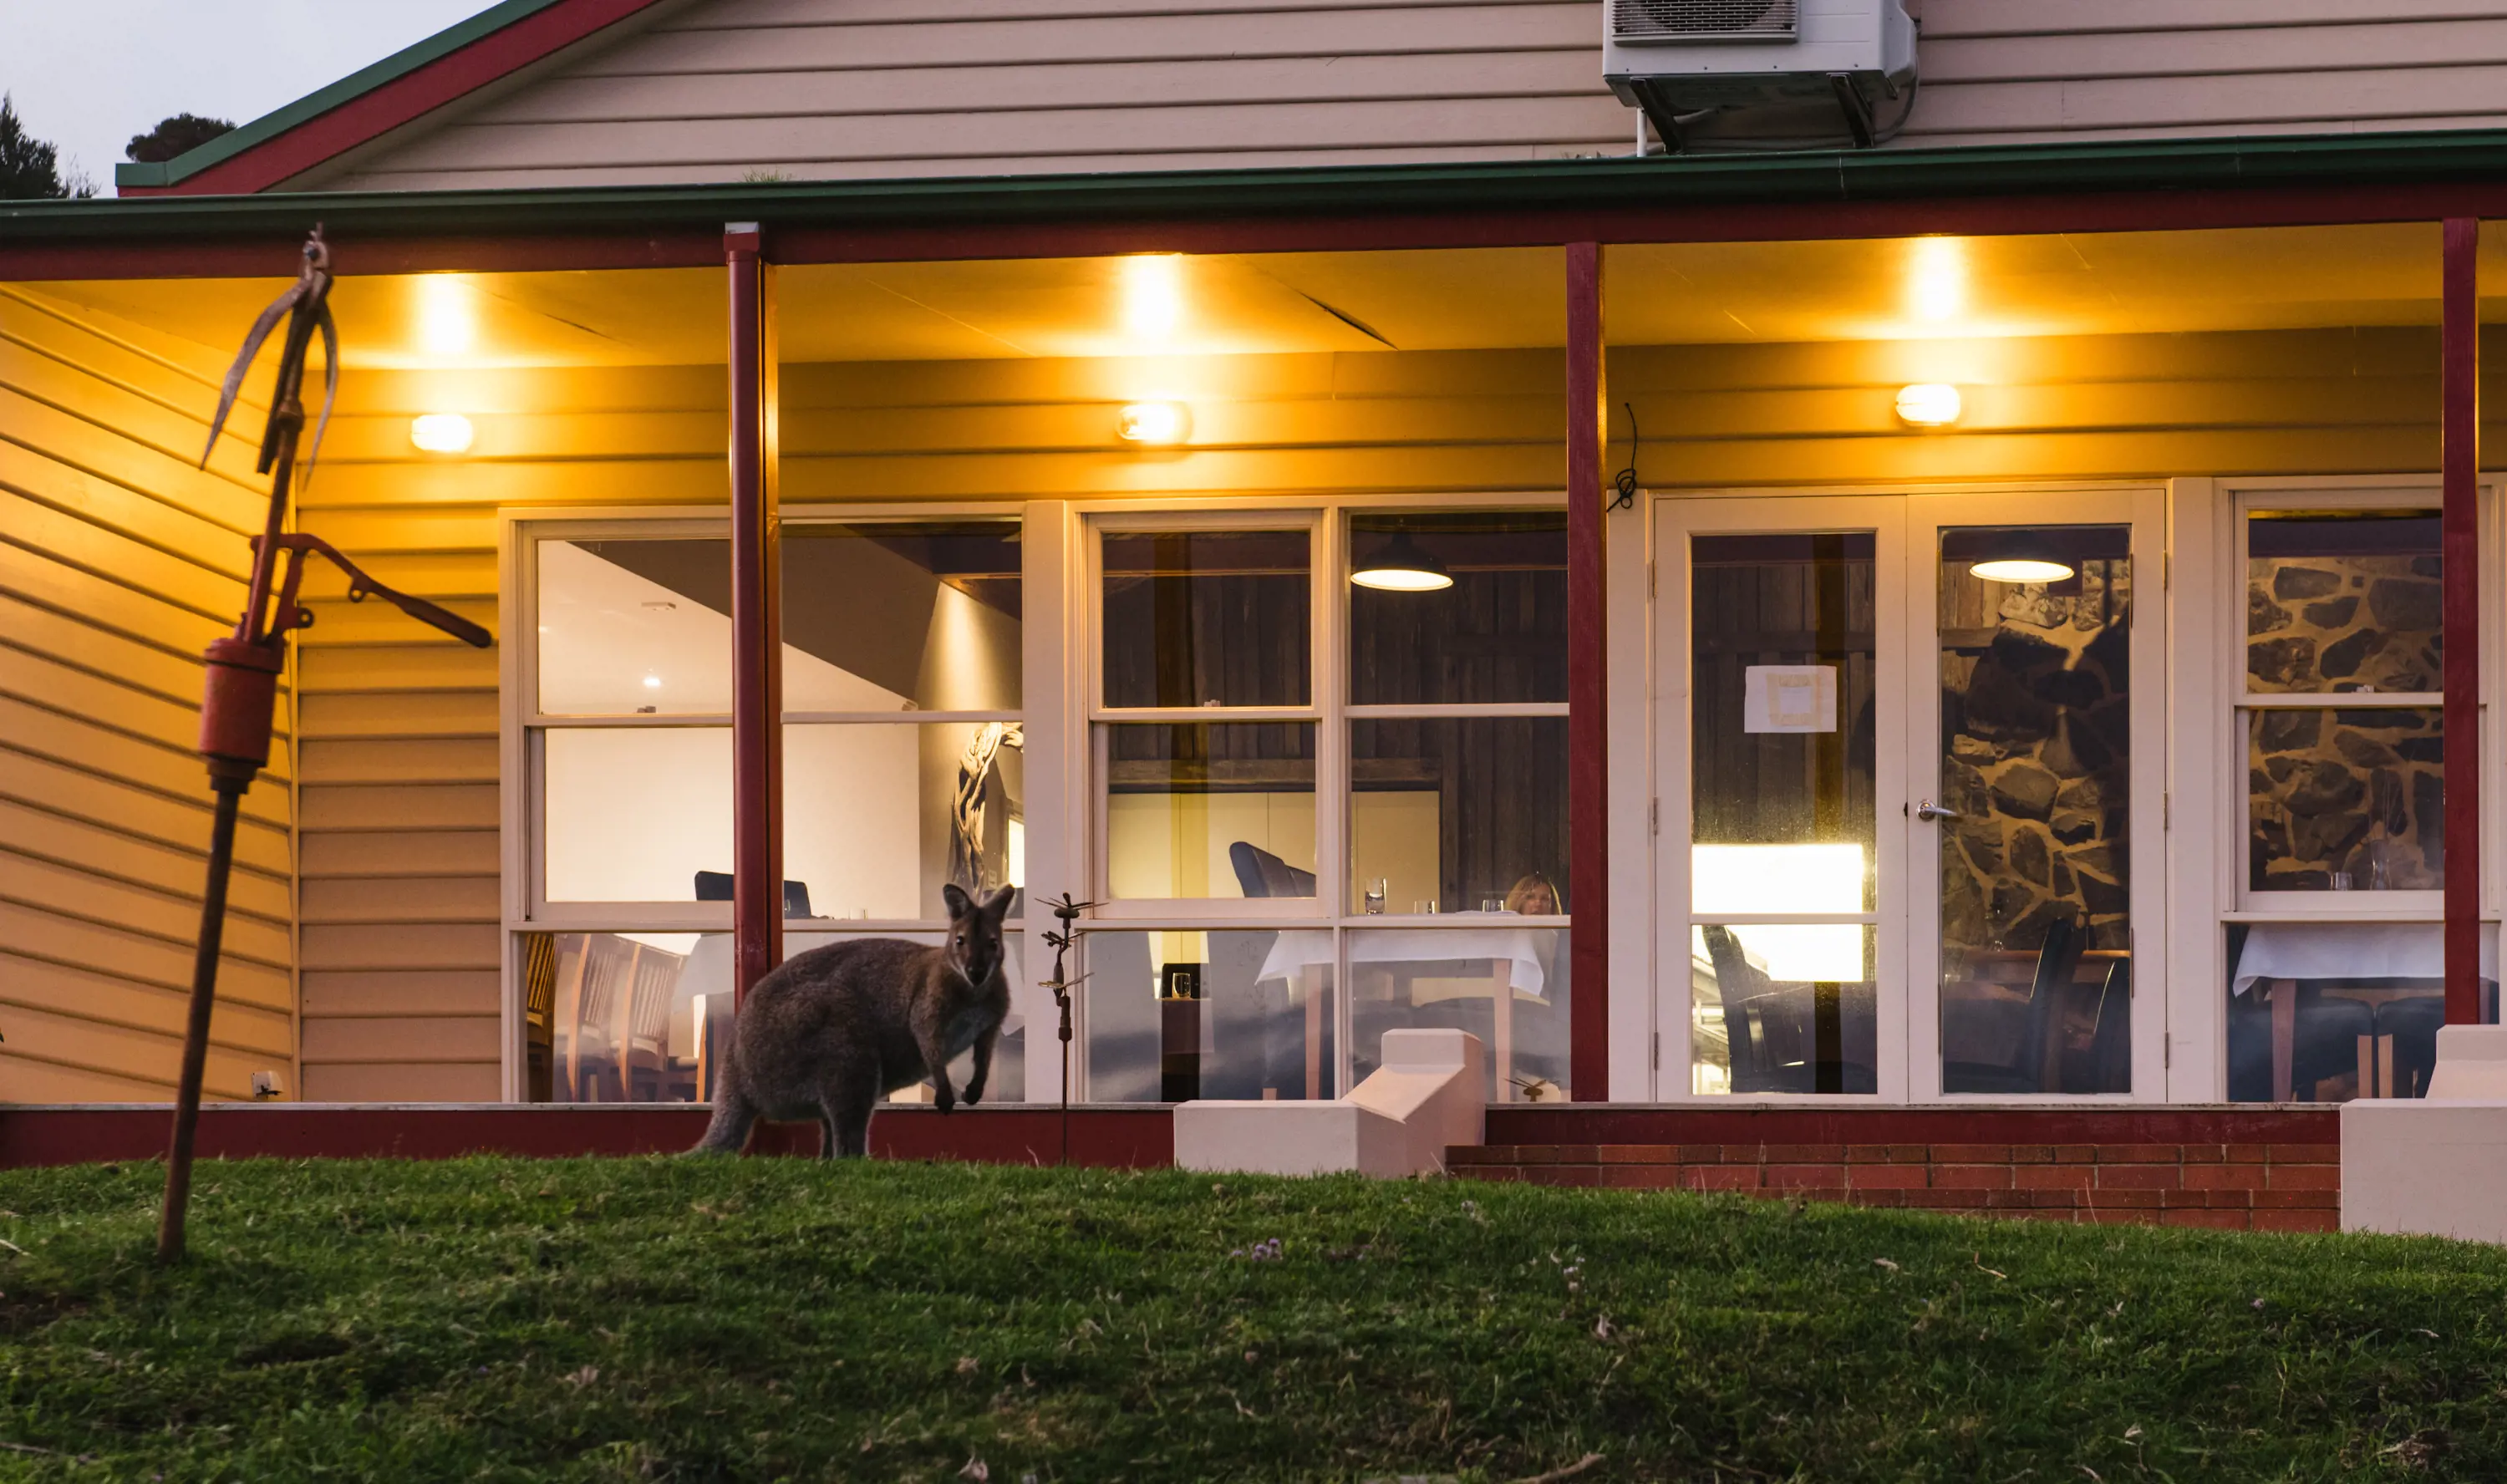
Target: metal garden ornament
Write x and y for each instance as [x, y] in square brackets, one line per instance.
[243, 668]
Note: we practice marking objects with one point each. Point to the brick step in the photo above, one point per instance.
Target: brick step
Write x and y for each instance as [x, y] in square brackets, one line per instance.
[2260, 1187]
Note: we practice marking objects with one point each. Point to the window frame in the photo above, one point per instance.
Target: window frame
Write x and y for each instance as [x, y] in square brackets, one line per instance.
[525, 907]
[2240, 901]
[1327, 710]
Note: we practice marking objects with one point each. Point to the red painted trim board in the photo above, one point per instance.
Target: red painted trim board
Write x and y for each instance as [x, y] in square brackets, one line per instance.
[1136, 1138]
[369, 116]
[1588, 800]
[2461, 547]
[756, 622]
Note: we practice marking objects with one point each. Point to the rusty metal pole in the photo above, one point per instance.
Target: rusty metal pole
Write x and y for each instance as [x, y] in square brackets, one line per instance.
[241, 688]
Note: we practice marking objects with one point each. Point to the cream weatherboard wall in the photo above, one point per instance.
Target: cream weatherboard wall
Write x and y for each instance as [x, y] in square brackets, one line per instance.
[718, 89]
[119, 562]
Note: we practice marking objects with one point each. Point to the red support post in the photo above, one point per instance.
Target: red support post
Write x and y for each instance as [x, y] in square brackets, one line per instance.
[2460, 545]
[756, 620]
[1589, 804]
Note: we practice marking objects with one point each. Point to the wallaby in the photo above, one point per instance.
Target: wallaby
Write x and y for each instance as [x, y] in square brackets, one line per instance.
[828, 1032]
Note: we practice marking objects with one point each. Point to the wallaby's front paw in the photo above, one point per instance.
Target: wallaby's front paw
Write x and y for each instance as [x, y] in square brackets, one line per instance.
[944, 1101]
[975, 1094]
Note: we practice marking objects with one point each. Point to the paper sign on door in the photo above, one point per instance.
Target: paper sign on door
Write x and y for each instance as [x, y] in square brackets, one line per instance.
[1789, 698]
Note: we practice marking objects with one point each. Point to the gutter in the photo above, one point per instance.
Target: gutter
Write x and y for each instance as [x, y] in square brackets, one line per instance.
[1842, 177]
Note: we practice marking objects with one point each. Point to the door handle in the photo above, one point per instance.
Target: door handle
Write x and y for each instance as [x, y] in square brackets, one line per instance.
[1928, 810]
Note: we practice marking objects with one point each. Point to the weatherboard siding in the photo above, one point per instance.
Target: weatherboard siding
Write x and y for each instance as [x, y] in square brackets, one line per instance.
[864, 89]
[118, 562]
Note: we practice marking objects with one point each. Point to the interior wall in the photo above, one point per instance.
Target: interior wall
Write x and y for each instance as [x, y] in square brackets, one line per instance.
[119, 562]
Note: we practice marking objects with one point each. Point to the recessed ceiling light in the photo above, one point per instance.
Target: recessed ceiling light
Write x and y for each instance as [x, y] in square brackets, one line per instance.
[652, 682]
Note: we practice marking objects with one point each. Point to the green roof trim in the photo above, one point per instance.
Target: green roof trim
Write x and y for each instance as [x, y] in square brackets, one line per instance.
[2038, 170]
[314, 104]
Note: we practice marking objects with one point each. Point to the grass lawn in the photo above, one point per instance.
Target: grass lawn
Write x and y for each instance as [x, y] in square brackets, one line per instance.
[772, 1318]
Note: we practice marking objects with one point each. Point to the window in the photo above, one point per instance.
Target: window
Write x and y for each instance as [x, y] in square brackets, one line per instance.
[1384, 810]
[902, 771]
[2335, 959]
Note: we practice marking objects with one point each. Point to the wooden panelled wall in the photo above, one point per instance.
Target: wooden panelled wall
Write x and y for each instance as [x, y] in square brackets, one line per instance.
[818, 90]
[119, 562]
[399, 790]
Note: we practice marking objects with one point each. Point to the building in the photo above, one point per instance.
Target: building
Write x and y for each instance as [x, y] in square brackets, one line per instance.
[1989, 617]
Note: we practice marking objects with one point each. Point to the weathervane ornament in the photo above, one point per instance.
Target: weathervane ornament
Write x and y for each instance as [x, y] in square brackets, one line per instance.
[1061, 984]
[243, 668]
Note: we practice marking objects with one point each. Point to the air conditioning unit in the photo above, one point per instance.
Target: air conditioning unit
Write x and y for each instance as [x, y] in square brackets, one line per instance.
[1765, 74]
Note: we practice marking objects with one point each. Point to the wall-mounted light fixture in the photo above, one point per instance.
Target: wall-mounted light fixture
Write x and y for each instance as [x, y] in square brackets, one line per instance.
[1152, 422]
[1928, 404]
[1402, 565]
[441, 433]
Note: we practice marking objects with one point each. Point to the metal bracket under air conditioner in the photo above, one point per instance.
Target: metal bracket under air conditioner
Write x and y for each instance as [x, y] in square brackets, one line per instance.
[1677, 106]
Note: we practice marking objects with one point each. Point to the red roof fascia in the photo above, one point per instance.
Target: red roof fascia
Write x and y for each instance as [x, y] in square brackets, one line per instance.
[369, 116]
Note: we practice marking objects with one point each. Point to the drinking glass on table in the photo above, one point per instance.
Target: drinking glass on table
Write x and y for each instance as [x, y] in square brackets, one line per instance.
[1492, 905]
[1377, 891]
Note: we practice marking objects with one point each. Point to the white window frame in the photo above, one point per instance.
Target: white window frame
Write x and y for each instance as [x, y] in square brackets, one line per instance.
[522, 726]
[1327, 709]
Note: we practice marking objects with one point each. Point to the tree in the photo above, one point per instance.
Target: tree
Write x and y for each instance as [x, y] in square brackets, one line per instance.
[30, 167]
[178, 135]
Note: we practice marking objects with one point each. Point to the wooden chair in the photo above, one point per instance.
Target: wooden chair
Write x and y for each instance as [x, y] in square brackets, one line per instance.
[540, 1013]
[592, 1064]
[644, 1057]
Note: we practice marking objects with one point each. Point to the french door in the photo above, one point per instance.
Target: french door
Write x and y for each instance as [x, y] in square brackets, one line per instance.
[1909, 758]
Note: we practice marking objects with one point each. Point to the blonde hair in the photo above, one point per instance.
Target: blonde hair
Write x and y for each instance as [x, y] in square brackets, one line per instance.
[1533, 896]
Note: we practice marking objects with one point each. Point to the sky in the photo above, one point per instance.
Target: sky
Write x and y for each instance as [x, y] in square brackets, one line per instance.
[89, 74]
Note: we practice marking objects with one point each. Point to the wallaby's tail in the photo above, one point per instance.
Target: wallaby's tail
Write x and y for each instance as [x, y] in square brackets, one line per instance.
[733, 1116]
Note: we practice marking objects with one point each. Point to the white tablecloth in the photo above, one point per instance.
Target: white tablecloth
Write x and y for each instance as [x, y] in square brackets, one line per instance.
[1518, 948]
[2351, 951]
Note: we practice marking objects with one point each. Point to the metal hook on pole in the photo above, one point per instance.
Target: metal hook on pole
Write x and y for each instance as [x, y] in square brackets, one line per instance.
[241, 690]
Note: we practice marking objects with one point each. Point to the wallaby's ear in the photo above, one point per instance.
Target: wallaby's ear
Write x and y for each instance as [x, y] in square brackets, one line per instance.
[997, 905]
[960, 903]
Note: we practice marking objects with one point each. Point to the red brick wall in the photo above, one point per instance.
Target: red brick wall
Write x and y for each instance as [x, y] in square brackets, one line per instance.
[2244, 1187]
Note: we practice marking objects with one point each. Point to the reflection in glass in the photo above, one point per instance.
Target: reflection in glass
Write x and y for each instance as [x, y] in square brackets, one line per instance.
[896, 617]
[1789, 1007]
[633, 813]
[622, 1017]
[1784, 720]
[1456, 812]
[1210, 809]
[901, 616]
[877, 818]
[1207, 617]
[1174, 1016]
[2036, 862]
[1781, 659]
[1498, 634]
[630, 628]
[2342, 600]
[1502, 982]
[645, 1017]
[2350, 800]
[2325, 1012]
